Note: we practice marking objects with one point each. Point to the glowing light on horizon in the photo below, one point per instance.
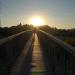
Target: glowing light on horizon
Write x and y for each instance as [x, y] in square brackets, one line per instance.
[37, 21]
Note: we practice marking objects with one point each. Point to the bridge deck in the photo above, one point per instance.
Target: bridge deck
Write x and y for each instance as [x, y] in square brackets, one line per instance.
[37, 61]
[33, 58]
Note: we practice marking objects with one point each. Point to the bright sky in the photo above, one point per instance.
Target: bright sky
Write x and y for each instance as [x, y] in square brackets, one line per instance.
[56, 13]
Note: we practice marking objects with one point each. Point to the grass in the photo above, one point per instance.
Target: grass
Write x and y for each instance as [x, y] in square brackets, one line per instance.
[70, 41]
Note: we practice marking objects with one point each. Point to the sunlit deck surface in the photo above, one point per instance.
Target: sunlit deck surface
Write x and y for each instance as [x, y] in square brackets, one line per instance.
[37, 60]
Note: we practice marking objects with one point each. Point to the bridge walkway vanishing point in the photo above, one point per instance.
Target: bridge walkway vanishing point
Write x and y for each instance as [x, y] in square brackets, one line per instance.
[34, 64]
[58, 57]
[55, 58]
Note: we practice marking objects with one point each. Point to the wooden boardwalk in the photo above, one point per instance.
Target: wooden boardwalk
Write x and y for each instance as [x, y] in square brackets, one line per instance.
[37, 60]
[37, 66]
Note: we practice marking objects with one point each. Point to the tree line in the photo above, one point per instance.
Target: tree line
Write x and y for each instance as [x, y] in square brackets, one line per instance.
[58, 32]
[8, 31]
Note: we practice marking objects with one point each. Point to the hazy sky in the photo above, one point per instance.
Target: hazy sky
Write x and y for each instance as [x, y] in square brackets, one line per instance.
[57, 13]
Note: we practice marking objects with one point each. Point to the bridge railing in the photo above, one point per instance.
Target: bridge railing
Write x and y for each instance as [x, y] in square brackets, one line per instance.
[10, 48]
[59, 56]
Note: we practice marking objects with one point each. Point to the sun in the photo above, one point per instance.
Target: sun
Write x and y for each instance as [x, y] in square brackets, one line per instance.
[37, 21]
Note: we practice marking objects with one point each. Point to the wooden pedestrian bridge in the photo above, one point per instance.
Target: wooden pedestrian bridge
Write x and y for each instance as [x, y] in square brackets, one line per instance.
[41, 53]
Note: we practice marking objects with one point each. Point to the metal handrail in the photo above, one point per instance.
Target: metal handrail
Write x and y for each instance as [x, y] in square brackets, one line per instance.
[66, 46]
[12, 36]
